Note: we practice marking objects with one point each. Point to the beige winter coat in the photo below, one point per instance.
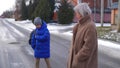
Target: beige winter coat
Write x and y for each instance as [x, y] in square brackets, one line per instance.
[84, 49]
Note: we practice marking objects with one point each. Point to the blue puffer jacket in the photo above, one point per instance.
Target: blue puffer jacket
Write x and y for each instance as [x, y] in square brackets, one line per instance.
[41, 42]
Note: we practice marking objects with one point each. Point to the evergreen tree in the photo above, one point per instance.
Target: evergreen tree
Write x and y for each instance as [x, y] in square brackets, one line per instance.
[34, 5]
[24, 12]
[44, 10]
[65, 13]
[30, 11]
[52, 3]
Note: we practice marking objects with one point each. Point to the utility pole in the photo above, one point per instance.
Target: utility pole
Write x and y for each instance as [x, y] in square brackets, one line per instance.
[95, 10]
[102, 12]
[118, 22]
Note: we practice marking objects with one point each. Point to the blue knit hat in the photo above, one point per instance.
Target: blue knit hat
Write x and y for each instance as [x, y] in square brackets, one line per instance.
[37, 21]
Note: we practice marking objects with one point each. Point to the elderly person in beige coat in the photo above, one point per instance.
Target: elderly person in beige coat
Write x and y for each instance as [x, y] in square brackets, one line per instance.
[83, 52]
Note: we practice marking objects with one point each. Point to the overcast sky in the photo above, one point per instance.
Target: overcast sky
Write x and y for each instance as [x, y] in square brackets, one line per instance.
[6, 5]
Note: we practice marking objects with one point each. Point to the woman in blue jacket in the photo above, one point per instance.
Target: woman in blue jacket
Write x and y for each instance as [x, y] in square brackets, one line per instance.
[40, 42]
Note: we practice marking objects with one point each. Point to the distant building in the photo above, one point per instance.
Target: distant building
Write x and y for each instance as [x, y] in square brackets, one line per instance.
[95, 5]
[114, 15]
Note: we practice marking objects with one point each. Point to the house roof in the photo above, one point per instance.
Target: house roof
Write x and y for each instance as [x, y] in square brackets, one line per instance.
[114, 5]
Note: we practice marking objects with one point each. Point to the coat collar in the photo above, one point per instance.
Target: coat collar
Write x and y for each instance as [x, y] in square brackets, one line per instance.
[85, 19]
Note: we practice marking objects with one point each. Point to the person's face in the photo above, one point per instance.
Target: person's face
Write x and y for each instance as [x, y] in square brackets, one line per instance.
[38, 25]
[78, 15]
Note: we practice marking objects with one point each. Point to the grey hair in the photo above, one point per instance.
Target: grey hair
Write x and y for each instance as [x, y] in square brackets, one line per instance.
[83, 9]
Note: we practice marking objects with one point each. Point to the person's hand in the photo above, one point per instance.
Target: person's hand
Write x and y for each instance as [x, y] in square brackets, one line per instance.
[75, 61]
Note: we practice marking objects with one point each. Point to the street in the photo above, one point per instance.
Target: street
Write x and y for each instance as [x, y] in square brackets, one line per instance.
[15, 52]
[18, 54]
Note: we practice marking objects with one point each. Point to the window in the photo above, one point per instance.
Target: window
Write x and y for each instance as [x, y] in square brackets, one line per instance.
[79, 1]
[109, 3]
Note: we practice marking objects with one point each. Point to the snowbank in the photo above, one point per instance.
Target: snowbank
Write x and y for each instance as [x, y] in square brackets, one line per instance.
[105, 24]
[56, 30]
[26, 24]
[109, 44]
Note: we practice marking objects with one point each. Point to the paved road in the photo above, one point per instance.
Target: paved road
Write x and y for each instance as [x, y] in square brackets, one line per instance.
[18, 54]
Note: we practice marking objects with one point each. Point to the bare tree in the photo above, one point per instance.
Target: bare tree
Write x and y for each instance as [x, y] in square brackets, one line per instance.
[8, 14]
[17, 13]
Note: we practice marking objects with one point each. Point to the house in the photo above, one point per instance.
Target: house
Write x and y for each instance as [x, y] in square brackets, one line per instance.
[114, 15]
[95, 5]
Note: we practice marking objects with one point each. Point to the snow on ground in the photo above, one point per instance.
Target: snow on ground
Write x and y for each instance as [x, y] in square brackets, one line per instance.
[105, 43]
[105, 24]
[4, 36]
[55, 30]
[13, 29]
[55, 26]
[8, 32]
[66, 30]
[109, 44]
[26, 24]
[10, 19]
